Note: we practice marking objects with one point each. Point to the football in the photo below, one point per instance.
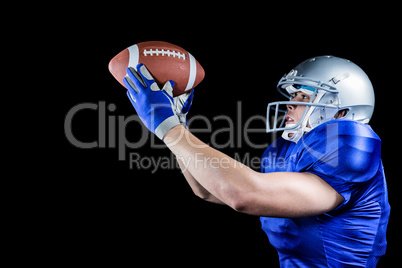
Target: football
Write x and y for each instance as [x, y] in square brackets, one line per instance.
[164, 61]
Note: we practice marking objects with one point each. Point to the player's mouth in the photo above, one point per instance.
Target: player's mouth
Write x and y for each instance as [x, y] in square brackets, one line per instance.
[289, 120]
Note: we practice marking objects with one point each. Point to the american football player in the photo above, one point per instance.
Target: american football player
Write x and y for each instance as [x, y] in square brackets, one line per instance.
[321, 194]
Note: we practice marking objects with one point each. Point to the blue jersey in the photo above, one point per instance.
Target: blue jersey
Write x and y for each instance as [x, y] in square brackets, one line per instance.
[347, 155]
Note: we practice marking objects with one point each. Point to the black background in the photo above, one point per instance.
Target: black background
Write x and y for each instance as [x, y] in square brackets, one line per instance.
[103, 212]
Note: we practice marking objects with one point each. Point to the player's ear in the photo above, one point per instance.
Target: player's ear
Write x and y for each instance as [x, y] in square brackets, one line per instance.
[340, 113]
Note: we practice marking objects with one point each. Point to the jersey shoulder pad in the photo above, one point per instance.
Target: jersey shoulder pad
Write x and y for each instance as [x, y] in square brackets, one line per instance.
[341, 148]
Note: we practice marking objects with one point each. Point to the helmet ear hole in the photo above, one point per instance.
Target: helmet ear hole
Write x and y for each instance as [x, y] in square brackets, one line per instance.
[341, 113]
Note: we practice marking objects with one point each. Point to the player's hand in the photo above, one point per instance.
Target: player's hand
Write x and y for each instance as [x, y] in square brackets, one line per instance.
[154, 106]
[182, 106]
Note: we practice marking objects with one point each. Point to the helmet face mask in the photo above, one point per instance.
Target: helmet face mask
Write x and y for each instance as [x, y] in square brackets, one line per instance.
[334, 84]
[279, 109]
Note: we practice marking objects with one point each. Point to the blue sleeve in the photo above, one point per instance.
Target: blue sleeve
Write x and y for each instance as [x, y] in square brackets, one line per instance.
[343, 153]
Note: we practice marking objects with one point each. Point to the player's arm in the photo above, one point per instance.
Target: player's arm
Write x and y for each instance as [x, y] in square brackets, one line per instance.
[166, 112]
[279, 194]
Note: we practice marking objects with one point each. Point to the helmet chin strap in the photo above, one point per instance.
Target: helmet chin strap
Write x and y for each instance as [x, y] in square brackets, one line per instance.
[297, 133]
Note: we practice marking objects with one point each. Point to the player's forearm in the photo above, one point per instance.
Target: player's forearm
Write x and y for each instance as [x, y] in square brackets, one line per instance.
[197, 188]
[219, 174]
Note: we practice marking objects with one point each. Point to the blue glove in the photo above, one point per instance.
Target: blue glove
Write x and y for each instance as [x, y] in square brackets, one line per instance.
[182, 106]
[154, 106]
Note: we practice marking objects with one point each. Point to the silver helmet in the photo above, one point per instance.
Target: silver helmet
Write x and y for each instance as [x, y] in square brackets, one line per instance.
[334, 84]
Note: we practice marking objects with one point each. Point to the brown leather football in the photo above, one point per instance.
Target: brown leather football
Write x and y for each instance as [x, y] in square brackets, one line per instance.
[164, 61]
